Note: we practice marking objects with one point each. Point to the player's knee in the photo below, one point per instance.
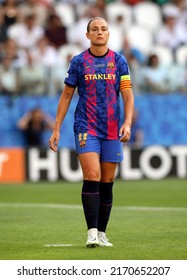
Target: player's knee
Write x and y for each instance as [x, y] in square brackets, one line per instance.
[107, 179]
[92, 175]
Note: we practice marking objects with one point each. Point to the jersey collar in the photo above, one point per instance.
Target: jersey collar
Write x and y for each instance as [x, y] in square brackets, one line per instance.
[96, 55]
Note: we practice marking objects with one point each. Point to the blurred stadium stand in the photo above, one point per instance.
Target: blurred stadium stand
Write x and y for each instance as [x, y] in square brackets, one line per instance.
[137, 23]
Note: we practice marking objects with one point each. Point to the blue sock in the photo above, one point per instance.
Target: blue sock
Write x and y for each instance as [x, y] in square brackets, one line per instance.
[106, 197]
[90, 202]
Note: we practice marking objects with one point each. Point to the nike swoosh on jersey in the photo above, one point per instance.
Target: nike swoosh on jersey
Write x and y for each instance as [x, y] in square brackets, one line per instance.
[87, 66]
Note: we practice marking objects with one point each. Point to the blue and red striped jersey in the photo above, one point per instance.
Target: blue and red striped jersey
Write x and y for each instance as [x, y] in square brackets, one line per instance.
[99, 80]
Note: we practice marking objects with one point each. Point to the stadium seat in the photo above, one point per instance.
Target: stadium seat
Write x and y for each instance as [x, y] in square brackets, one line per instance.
[164, 54]
[148, 15]
[181, 55]
[76, 34]
[68, 49]
[66, 13]
[81, 9]
[113, 10]
[140, 38]
[116, 38]
[13, 31]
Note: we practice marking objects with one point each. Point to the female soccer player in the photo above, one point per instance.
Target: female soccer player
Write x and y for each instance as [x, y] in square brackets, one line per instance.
[99, 74]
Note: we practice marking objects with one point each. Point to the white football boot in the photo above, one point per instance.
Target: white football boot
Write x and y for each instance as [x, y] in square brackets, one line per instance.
[103, 240]
[92, 240]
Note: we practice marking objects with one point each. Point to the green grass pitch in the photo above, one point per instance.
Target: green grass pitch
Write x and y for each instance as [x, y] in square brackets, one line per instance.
[44, 221]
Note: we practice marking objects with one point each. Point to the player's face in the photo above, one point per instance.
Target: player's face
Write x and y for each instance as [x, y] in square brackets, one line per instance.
[98, 32]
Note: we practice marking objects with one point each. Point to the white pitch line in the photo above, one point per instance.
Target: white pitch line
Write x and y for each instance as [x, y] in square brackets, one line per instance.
[150, 208]
[59, 245]
[40, 205]
[79, 207]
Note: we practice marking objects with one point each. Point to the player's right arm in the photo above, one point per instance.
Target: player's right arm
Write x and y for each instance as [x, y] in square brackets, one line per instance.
[63, 106]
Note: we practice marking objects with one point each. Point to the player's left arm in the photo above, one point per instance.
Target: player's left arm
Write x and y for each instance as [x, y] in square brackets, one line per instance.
[128, 100]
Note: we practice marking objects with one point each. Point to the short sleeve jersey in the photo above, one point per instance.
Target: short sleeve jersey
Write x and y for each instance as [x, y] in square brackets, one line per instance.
[99, 81]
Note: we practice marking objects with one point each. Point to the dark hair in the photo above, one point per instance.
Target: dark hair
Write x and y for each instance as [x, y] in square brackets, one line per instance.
[150, 59]
[92, 19]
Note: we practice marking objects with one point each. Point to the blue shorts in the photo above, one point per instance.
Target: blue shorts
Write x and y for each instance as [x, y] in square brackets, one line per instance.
[109, 150]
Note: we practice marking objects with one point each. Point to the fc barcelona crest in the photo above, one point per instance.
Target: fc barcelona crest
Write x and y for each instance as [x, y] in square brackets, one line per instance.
[82, 143]
[110, 65]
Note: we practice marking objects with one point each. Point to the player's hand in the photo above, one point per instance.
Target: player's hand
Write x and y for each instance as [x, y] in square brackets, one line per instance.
[125, 133]
[53, 141]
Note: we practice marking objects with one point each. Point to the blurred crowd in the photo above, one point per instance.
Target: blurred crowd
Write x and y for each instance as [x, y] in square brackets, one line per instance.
[39, 37]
